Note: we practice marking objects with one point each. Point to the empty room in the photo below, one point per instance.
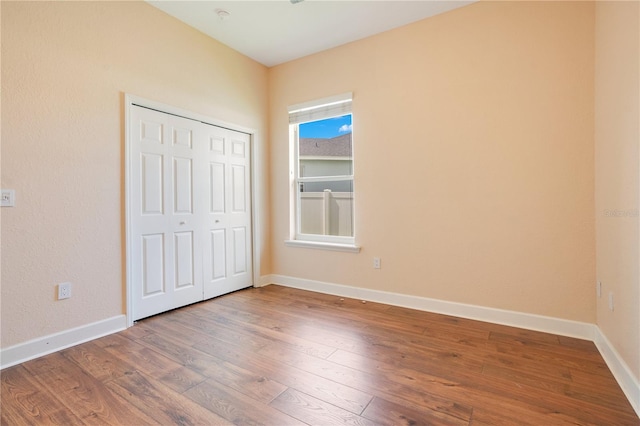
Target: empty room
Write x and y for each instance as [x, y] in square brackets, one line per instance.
[320, 212]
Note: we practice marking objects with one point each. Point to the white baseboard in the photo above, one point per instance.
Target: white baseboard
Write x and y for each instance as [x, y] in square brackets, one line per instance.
[563, 327]
[621, 371]
[54, 342]
[627, 381]
[263, 281]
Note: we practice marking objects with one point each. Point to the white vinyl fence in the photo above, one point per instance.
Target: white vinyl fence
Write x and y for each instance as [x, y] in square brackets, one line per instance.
[326, 213]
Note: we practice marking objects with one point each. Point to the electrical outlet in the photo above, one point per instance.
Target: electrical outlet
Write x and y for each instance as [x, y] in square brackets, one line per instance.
[599, 288]
[376, 263]
[8, 198]
[611, 301]
[64, 291]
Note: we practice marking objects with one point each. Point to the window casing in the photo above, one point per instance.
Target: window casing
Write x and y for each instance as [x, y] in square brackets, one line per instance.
[322, 174]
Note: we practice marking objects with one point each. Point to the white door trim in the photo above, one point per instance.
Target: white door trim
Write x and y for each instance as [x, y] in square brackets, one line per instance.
[256, 154]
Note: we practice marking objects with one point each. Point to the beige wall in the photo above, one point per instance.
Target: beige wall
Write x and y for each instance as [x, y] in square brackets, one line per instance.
[617, 142]
[473, 141]
[65, 68]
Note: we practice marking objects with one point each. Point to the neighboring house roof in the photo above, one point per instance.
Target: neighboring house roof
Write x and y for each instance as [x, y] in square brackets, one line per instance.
[340, 146]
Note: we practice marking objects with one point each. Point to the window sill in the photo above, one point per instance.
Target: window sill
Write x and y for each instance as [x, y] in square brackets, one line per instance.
[323, 246]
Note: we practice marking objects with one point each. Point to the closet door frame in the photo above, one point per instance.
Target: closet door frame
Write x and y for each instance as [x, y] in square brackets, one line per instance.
[129, 101]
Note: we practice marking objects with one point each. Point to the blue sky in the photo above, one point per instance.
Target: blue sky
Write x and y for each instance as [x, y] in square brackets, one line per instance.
[327, 128]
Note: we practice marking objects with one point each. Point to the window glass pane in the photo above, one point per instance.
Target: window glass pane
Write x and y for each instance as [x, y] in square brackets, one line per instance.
[326, 208]
[325, 147]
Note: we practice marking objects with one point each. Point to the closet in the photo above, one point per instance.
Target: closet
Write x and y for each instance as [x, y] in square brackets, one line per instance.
[188, 211]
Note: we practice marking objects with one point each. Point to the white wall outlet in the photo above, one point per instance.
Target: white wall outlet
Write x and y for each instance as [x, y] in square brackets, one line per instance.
[376, 263]
[8, 198]
[64, 291]
[599, 288]
[611, 301]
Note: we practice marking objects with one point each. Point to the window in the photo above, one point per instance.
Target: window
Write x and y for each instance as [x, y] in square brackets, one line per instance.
[322, 174]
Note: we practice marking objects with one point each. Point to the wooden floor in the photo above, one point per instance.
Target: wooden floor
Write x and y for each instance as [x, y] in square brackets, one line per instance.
[279, 356]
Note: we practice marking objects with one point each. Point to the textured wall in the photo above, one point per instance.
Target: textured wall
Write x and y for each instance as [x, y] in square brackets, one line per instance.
[65, 69]
[617, 144]
[473, 142]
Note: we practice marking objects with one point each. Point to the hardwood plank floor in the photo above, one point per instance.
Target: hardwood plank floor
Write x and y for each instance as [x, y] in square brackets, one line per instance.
[281, 356]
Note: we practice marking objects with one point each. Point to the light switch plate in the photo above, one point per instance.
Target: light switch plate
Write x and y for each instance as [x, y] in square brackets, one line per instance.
[8, 198]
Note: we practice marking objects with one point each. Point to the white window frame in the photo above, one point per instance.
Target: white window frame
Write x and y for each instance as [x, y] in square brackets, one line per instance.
[320, 109]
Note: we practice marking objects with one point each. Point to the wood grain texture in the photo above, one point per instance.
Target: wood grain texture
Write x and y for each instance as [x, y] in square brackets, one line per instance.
[282, 356]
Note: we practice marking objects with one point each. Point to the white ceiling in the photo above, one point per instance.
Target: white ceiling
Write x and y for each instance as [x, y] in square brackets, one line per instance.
[276, 31]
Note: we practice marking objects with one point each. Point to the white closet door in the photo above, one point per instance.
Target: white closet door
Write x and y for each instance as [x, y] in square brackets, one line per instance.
[228, 253]
[189, 210]
[166, 245]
